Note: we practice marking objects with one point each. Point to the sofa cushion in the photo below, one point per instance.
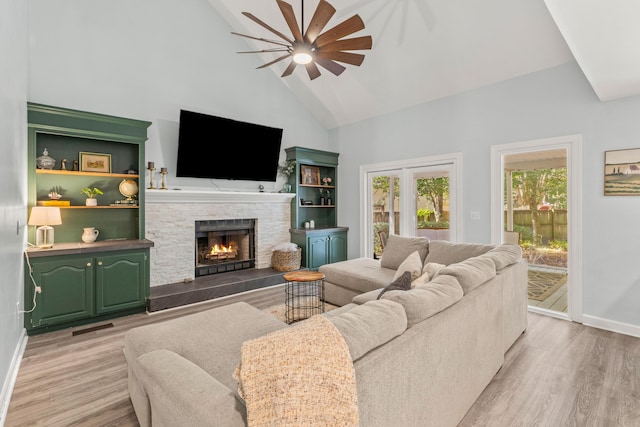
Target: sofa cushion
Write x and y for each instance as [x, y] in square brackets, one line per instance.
[191, 337]
[398, 248]
[504, 255]
[446, 253]
[359, 274]
[412, 264]
[428, 299]
[366, 297]
[470, 273]
[402, 283]
[370, 325]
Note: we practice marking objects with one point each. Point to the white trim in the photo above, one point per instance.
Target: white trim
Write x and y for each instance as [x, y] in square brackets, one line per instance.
[573, 145]
[12, 376]
[205, 196]
[611, 325]
[453, 161]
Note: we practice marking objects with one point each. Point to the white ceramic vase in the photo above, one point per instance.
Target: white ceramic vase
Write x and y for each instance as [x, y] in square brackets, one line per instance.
[91, 202]
[90, 234]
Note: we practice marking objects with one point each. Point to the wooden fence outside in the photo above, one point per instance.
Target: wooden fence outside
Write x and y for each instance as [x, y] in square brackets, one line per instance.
[552, 225]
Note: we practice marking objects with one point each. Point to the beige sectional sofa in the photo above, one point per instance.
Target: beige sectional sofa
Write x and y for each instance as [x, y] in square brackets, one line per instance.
[421, 356]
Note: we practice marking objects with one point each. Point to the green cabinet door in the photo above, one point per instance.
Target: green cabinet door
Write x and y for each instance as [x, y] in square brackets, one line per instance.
[317, 250]
[66, 291]
[337, 246]
[321, 247]
[120, 281]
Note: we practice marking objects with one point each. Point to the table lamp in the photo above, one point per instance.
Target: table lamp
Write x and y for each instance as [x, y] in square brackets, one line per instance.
[44, 217]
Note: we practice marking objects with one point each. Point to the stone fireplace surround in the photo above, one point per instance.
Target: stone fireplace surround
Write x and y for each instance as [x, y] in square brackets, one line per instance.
[170, 217]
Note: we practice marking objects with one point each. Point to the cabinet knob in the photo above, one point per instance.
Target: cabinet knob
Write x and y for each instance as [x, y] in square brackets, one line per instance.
[88, 264]
[99, 262]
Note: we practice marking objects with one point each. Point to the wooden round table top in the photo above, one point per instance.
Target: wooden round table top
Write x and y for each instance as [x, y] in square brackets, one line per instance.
[303, 276]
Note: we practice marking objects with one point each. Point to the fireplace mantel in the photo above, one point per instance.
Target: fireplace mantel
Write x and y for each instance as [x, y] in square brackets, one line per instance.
[205, 196]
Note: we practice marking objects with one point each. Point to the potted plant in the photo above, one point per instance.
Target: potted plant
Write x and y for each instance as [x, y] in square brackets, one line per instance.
[91, 194]
[286, 169]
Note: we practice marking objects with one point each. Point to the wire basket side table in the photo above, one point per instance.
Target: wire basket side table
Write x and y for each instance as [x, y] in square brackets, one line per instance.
[304, 295]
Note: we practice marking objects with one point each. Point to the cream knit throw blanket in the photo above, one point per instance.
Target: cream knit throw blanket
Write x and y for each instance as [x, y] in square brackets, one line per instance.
[299, 376]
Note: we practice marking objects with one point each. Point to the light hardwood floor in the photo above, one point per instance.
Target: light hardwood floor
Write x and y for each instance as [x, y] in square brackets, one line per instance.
[557, 374]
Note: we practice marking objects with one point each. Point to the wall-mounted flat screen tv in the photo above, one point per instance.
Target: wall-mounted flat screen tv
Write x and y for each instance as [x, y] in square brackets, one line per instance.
[221, 148]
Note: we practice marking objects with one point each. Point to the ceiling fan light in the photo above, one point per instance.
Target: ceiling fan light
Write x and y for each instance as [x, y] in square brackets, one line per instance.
[302, 56]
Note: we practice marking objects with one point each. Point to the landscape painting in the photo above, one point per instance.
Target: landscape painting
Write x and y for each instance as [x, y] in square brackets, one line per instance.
[622, 172]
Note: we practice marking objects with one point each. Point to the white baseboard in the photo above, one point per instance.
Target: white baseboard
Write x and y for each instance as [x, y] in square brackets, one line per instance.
[12, 376]
[611, 325]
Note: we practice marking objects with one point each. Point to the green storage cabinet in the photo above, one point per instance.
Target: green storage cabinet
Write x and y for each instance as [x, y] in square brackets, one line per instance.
[326, 242]
[321, 246]
[118, 279]
[86, 282]
[66, 284]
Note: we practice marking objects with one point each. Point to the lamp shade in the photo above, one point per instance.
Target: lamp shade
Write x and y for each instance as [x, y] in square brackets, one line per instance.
[41, 215]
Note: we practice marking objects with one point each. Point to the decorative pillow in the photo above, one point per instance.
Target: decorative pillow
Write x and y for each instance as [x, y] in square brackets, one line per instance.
[403, 283]
[424, 278]
[398, 248]
[412, 264]
[429, 271]
[432, 268]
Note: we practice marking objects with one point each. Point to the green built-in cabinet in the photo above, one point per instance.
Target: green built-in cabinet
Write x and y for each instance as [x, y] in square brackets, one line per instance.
[85, 282]
[326, 242]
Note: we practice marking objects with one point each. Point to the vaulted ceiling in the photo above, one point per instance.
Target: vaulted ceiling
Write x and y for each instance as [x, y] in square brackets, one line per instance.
[429, 49]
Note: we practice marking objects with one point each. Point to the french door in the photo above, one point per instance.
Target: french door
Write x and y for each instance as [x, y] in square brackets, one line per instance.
[410, 198]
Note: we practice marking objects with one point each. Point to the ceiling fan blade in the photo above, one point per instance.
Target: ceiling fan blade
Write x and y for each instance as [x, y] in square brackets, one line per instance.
[289, 69]
[273, 30]
[274, 61]
[312, 70]
[341, 30]
[346, 57]
[290, 17]
[265, 51]
[330, 65]
[260, 39]
[320, 18]
[356, 43]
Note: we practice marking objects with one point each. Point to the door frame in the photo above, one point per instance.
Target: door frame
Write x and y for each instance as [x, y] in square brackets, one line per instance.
[453, 163]
[573, 145]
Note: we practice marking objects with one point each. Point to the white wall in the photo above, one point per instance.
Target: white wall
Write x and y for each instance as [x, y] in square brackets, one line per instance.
[550, 103]
[13, 188]
[146, 60]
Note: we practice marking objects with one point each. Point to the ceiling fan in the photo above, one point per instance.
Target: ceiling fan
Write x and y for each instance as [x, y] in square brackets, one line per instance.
[311, 47]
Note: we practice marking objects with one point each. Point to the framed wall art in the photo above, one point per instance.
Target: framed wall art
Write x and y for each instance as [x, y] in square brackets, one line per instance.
[95, 162]
[309, 175]
[622, 172]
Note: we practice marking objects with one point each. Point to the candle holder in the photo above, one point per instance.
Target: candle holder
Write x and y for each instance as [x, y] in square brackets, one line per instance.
[151, 169]
[163, 172]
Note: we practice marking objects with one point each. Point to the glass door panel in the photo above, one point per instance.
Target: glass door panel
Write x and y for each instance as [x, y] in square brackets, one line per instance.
[385, 208]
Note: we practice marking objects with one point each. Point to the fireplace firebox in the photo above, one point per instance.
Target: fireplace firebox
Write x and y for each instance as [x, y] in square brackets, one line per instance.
[224, 245]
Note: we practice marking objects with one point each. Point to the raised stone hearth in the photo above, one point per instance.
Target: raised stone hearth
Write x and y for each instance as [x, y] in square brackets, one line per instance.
[170, 217]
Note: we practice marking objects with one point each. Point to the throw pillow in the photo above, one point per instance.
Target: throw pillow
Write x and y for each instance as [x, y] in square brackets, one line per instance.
[398, 248]
[412, 264]
[432, 268]
[403, 283]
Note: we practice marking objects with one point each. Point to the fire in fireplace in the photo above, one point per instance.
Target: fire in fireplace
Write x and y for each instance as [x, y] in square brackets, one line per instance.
[224, 245]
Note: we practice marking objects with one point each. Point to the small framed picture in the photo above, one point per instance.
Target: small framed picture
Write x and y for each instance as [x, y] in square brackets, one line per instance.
[622, 172]
[95, 162]
[309, 175]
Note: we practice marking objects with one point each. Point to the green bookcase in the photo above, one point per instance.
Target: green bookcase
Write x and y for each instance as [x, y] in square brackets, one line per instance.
[326, 242]
[85, 282]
